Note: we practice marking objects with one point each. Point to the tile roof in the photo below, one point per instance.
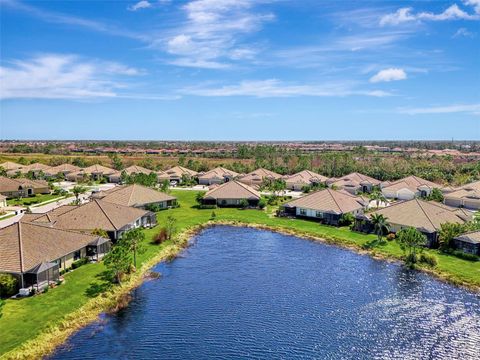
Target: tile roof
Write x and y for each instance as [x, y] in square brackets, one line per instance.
[471, 237]
[305, 177]
[330, 201]
[24, 246]
[135, 195]
[218, 173]
[259, 175]
[99, 169]
[464, 194]
[178, 171]
[64, 168]
[232, 190]
[99, 214]
[35, 167]
[420, 214]
[411, 183]
[10, 166]
[354, 179]
[472, 186]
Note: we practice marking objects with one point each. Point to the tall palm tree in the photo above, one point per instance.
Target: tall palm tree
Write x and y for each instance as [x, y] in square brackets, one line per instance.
[380, 225]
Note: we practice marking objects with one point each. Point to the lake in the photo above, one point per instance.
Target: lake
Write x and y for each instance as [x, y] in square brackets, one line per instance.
[245, 293]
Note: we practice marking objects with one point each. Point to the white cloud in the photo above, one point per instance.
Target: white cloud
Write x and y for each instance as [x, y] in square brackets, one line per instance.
[57, 76]
[404, 15]
[448, 109]
[143, 4]
[391, 74]
[474, 3]
[211, 35]
[463, 32]
[275, 88]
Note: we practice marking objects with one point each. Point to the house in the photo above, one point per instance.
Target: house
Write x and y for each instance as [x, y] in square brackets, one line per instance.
[16, 188]
[116, 177]
[113, 218]
[304, 178]
[232, 193]
[63, 169]
[354, 183]
[11, 168]
[468, 243]
[97, 171]
[77, 176]
[218, 175]
[3, 201]
[35, 253]
[36, 169]
[409, 188]
[463, 198]
[326, 205]
[176, 174]
[137, 196]
[425, 216]
[259, 176]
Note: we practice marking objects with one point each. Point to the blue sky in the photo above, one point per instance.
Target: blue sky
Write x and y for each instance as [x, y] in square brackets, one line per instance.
[240, 70]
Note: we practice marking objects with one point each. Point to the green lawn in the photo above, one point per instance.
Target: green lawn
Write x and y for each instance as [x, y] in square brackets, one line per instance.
[26, 318]
[33, 200]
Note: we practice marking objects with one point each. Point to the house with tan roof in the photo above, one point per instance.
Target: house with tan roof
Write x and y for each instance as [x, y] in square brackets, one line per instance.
[138, 196]
[426, 216]
[176, 174]
[327, 206]
[463, 198]
[232, 194]
[468, 242]
[62, 169]
[35, 253]
[17, 188]
[409, 188]
[97, 171]
[36, 169]
[116, 177]
[11, 168]
[115, 219]
[219, 175]
[354, 183]
[259, 176]
[304, 178]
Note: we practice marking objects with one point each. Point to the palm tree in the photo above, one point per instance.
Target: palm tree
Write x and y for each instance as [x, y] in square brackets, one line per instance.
[377, 195]
[77, 191]
[380, 225]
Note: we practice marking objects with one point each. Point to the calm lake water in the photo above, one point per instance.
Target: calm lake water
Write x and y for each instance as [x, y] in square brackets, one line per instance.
[244, 293]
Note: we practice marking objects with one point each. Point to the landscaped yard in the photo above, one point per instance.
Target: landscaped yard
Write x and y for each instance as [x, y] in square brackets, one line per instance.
[26, 318]
[32, 200]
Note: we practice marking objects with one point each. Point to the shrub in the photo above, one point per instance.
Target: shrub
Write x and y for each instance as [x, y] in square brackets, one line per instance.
[207, 206]
[466, 256]
[213, 215]
[428, 259]
[262, 204]
[78, 263]
[391, 237]
[244, 203]
[347, 219]
[8, 285]
[154, 207]
[160, 236]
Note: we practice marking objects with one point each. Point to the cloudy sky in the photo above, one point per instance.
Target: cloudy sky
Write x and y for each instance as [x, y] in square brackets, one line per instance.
[240, 69]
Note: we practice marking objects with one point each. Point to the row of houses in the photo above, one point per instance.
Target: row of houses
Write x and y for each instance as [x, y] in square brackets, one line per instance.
[39, 246]
[407, 188]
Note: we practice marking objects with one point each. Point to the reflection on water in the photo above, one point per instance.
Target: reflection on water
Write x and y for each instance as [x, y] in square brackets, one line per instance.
[246, 293]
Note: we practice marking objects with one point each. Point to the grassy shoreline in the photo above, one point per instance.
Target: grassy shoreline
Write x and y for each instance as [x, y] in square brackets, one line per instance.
[33, 339]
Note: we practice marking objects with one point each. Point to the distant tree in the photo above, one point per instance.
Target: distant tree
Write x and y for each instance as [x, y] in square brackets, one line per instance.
[100, 232]
[411, 241]
[199, 198]
[380, 225]
[117, 162]
[80, 162]
[3, 172]
[165, 186]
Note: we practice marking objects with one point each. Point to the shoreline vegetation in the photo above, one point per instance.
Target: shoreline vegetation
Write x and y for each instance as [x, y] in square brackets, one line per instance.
[86, 309]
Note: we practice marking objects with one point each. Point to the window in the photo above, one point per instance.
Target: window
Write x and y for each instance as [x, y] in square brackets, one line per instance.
[303, 212]
[319, 214]
[77, 255]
